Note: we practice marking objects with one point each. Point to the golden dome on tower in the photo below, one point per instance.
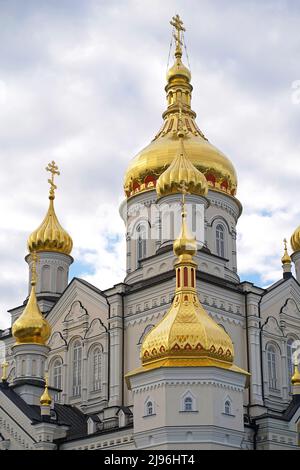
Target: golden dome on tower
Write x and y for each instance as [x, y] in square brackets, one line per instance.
[45, 399]
[286, 259]
[31, 326]
[145, 169]
[295, 240]
[50, 235]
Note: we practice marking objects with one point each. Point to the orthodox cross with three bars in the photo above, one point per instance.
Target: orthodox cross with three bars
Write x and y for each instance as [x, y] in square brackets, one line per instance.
[177, 23]
[53, 169]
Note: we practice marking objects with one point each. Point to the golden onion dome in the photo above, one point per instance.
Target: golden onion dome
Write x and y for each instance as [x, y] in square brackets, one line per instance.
[181, 171]
[46, 399]
[50, 235]
[286, 259]
[296, 376]
[31, 326]
[295, 240]
[145, 169]
[187, 332]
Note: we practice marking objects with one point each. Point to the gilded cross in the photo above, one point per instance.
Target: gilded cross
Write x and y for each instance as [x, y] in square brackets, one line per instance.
[46, 380]
[285, 243]
[4, 366]
[53, 169]
[177, 23]
[184, 192]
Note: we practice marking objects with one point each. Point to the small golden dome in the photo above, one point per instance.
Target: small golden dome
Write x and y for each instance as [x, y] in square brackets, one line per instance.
[181, 171]
[185, 244]
[31, 326]
[46, 399]
[50, 236]
[286, 259]
[295, 240]
[178, 70]
[296, 377]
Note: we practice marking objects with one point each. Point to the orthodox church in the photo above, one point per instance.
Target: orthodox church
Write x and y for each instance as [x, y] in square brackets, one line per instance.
[181, 354]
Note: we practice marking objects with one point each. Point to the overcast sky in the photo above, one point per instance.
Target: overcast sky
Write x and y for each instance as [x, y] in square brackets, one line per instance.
[82, 82]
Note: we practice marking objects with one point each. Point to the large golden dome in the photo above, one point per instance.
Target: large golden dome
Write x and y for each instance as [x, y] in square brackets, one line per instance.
[144, 170]
[295, 240]
[50, 235]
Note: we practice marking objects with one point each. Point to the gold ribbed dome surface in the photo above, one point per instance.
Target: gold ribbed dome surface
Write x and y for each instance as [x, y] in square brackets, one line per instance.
[181, 171]
[295, 240]
[31, 326]
[50, 235]
[145, 169]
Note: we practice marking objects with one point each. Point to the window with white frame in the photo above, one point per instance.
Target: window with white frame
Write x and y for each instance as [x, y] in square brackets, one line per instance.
[188, 402]
[97, 369]
[141, 242]
[77, 360]
[227, 407]
[272, 367]
[57, 377]
[220, 240]
[149, 408]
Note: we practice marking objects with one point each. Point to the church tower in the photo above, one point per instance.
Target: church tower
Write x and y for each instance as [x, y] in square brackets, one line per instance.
[188, 392]
[150, 227]
[53, 245]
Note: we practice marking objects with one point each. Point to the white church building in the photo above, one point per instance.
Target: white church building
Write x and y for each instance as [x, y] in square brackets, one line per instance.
[179, 355]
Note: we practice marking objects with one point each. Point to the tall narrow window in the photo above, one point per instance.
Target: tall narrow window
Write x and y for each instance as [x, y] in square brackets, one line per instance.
[97, 369]
[220, 240]
[185, 277]
[77, 358]
[57, 378]
[45, 278]
[178, 277]
[149, 408]
[227, 407]
[272, 366]
[60, 279]
[193, 277]
[188, 404]
[141, 242]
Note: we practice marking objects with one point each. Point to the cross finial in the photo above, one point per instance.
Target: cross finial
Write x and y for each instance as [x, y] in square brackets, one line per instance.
[184, 191]
[285, 243]
[35, 260]
[4, 366]
[53, 169]
[177, 23]
[46, 380]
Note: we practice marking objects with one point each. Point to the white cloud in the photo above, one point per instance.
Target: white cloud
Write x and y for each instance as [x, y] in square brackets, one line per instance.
[82, 83]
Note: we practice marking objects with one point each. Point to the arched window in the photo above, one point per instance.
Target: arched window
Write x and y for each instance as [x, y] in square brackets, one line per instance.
[60, 280]
[178, 277]
[149, 408]
[45, 278]
[272, 367]
[185, 277]
[97, 369]
[220, 240]
[77, 358]
[57, 377]
[227, 407]
[188, 404]
[141, 242]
